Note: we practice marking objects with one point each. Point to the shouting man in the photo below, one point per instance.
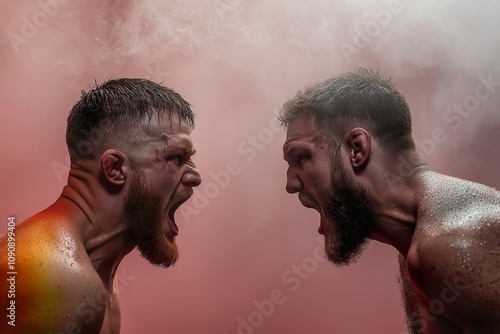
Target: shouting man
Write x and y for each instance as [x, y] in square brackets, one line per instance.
[352, 158]
[131, 168]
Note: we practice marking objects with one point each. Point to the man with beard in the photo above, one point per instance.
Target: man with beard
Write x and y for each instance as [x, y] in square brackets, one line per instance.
[131, 168]
[352, 158]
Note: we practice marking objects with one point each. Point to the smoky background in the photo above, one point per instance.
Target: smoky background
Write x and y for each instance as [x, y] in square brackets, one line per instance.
[242, 237]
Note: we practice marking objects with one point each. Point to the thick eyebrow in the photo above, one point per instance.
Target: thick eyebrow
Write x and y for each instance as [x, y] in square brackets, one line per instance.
[181, 143]
[291, 148]
[187, 147]
[285, 151]
[288, 152]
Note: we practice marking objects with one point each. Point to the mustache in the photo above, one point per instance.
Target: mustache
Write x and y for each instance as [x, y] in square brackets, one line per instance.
[182, 195]
[307, 200]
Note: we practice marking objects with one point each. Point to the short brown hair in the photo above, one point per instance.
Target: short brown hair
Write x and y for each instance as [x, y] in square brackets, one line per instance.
[358, 98]
[114, 107]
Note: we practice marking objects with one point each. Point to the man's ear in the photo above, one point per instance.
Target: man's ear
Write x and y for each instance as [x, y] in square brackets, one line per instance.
[112, 166]
[359, 145]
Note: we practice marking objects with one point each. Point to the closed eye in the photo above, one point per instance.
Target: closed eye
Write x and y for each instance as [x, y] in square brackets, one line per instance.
[177, 158]
[181, 159]
[295, 156]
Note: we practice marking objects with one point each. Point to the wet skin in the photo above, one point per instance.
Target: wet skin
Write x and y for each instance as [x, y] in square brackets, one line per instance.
[67, 255]
[447, 230]
[454, 259]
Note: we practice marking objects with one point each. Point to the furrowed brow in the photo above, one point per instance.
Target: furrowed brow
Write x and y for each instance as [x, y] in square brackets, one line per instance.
[288, 152]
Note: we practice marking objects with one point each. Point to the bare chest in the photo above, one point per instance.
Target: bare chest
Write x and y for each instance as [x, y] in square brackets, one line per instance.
[112, 315]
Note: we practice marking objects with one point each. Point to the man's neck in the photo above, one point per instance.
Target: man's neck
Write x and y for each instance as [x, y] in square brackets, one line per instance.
[102, 229]
[396, 203]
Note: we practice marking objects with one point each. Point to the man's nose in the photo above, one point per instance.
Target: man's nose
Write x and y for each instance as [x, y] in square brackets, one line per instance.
[293, 183]
[191, 178]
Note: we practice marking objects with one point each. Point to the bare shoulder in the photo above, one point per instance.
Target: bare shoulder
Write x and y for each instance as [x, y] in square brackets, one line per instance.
[55, 289]
[455, 255]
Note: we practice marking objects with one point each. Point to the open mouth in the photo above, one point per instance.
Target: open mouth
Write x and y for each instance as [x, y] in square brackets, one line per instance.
[310, 203]
[174, 229]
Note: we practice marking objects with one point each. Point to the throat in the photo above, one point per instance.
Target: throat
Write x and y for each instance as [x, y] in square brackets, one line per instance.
[396, 233]
[105, 254]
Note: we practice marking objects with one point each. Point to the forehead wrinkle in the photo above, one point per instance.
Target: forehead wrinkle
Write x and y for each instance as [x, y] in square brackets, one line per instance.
[180, 141]
[303, 139]
[297, 141]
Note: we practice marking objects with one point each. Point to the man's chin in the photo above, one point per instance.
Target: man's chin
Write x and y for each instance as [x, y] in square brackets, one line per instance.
[343, 257]
[163, 263]
[163, 257]
[341, 261]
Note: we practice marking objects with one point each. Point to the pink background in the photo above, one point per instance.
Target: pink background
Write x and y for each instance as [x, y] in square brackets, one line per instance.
[242, 235]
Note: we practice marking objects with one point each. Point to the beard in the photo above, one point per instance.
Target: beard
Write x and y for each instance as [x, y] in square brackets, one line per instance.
[349, 218]
[146, 215]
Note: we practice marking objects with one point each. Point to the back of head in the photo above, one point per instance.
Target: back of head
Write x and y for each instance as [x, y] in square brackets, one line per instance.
[359, 98]
[113, 109]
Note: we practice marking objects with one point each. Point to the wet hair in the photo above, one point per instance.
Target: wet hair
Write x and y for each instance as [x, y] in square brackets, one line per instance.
[115, 108]
[358, 98]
